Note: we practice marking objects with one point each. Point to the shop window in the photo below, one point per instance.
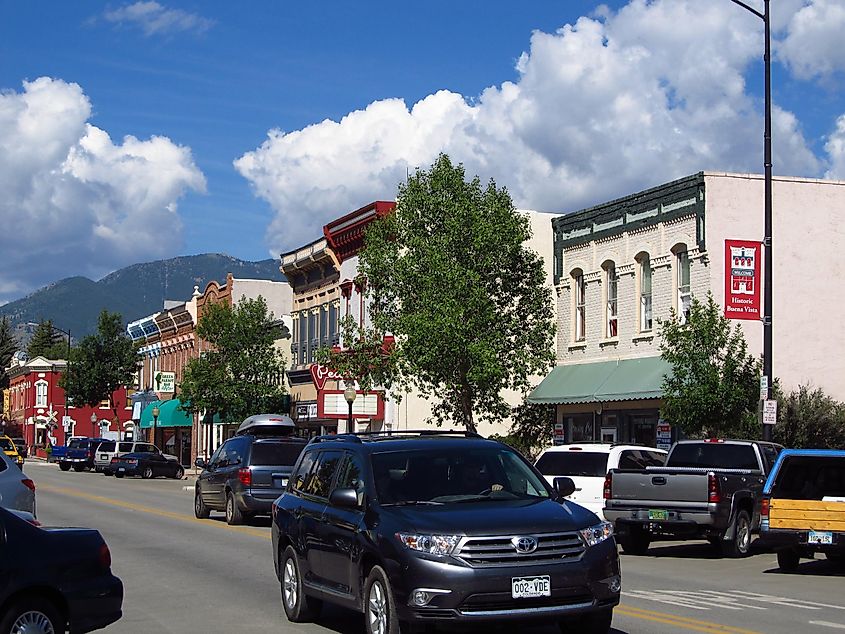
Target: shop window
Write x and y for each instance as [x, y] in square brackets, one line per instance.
[580, 305]
[645, 293]
[612, 286]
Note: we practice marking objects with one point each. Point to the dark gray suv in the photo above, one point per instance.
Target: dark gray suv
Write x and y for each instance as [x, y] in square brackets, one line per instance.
[248, 471]
[427, 528]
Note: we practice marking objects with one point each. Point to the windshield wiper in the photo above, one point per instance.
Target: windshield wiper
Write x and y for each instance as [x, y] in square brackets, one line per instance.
[414, 503]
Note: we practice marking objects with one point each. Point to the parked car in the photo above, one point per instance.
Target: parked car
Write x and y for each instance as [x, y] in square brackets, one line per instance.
[249, 471]
[57, 452]
[147, 465]
[80, 454]
[16, 490]
[430, 527]
[708, 489]
[587, 464]
[10, 450]
[111, 448]
[55, 579]
[803, 508]
[23, 448]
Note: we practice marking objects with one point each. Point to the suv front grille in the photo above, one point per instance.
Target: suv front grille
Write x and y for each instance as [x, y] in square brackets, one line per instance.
[500, 550]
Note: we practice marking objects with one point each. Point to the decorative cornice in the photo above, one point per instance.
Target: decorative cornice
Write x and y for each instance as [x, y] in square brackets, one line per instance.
[594, 276]
[625, 269]
[661, 261]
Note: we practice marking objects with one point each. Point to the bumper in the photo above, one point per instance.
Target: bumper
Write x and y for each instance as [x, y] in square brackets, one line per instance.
[125, 469]
[258, 502]
[680, 522]
[797, 540]
[94, 605]
[484, 594]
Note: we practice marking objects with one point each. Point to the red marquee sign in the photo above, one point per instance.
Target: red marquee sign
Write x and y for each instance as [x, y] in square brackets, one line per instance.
[320, 374]
[742, 279]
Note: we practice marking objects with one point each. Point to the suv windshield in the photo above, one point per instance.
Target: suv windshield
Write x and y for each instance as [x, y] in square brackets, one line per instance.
[437, 476]
[107, 446]
[283, 454]
[573, 463]
[713, 456]
[78, 444]
[6, 444]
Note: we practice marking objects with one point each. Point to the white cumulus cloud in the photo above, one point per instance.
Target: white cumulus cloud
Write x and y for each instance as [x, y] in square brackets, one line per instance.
[610, 104]
[74, 201]
[835, 148]
[155, 19]
[813, 43]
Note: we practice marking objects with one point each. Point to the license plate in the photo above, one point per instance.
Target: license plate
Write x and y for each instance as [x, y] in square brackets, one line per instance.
[658, 515]
[121, 468]
[816, 537]
[528, 587]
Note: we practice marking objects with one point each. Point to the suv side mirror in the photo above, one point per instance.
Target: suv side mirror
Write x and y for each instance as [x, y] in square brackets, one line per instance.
[199, 462]
[344, 498]
[564, 486]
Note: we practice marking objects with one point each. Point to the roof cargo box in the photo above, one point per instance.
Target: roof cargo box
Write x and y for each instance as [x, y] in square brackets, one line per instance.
[267, 425]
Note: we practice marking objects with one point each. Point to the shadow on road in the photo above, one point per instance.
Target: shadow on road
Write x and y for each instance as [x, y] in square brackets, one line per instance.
[813, 568]
[692, 550]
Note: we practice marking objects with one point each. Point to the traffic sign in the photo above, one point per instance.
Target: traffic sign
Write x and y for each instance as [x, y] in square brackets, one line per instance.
[764, 387]
[770, 412]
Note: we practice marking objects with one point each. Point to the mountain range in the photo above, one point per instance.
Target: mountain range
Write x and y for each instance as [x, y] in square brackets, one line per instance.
[75, 303]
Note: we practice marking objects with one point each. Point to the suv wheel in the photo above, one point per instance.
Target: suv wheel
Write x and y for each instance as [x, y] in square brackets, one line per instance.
[201, 511]
[233, 513]
[741, 542]
[595, 623]
[299, 608]
[32, 614]
[379, 608]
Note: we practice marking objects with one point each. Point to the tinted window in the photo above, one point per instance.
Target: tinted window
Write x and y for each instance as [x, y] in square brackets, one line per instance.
[124, 447]
[3, 464]
[234, 451]
[573, 463]
[319, 481]
[144, 448]
[6, 444]
[283, 454]
[770, 453]
[707, 455]
[351, 476]
[301, 475]
[810, 478]
[107, 446]
[78, 444]
[637, 459]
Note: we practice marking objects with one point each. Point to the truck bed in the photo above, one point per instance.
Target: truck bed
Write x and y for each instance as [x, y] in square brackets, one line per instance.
[807, 515]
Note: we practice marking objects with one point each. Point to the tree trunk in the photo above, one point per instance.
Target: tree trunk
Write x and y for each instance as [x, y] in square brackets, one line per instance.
[466, 410]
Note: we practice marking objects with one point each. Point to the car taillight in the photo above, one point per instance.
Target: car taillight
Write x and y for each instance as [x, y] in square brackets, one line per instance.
[29, 484]
[764, 508]
[608, 486]
[105, 557]
[115, 459]
[245, 477]
[714, 492]
[131, 461]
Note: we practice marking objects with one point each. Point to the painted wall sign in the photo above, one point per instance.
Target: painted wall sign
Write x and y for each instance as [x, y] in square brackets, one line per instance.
[320, 374]
[742, 279]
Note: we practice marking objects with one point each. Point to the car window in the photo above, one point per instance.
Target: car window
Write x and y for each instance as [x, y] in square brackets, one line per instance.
[300, 477]
[234, 452]
[3, 464]
[145, 448]
[573, 463]
[320, 479]
[124, 447]
[78, 444]
[351, 476]
[705, 455]
[638, 459]
[6, 444]
[107, 446]
[770, 454]
[283, 454]
[810, 478]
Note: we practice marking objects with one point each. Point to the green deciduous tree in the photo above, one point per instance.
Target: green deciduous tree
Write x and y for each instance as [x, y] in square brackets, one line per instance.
[532, 428]
[101, 363]
[809, 419]
[8, 347]
[47, 342]
[241, 374]
[451, 277]
[713, 388]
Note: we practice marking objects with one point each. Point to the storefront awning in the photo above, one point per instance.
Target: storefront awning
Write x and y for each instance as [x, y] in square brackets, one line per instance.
[601, 382]
[170, 414]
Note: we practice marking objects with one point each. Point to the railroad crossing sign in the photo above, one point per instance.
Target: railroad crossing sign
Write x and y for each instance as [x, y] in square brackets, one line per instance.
[51, 416]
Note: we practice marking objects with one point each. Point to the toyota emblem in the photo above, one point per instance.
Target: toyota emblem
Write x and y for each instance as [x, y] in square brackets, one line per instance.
[524, 545]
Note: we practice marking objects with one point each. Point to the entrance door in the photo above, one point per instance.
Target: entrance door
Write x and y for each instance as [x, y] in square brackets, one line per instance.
[608, 434]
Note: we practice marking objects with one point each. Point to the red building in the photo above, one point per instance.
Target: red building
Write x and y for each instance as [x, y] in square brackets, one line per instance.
[37, 407]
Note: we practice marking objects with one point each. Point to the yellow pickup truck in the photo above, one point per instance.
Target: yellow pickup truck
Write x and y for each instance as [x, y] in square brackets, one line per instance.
[803, 506]
[10, 450]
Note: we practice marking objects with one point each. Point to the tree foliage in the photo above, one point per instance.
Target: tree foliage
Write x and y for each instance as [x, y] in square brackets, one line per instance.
[101, 363]
[8, 347]
[809, 419]
[47, 342]
[450, 276]
[532, 428]
[713, 389]
[241, 374]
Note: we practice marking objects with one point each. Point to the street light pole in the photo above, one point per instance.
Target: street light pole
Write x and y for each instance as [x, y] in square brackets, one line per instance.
[155, 422]
[349, 394]
[767, 238]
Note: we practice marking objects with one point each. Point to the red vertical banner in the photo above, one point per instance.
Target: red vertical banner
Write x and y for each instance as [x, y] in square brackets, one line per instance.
[742, 279]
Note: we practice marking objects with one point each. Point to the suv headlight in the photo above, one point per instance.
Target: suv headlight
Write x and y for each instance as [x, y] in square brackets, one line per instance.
[432, 544]
[597, 534]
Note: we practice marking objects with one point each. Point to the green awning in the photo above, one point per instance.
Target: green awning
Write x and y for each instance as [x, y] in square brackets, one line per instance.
[170, 414]
[604, 381]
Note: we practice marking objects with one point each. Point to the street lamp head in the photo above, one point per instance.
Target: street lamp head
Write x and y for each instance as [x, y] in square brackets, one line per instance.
[156, 411]
[93, 418]
[350, 393]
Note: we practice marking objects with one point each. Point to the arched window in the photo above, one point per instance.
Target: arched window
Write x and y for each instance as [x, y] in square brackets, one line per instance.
[580, 292]
[645, 311]
[611, 283]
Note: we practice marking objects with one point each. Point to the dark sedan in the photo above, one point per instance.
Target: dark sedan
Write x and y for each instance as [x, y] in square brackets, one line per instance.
[146, 465]
[55, 579]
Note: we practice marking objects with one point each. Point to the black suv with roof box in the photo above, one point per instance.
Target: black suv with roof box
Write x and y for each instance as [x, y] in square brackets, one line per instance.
[249, 470]
[431, 527]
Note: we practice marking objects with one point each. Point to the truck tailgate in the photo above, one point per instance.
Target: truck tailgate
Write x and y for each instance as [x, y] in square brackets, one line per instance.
[659, 486]
[807, 515]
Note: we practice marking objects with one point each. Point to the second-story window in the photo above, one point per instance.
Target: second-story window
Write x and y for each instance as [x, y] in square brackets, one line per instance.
[41, 394]
[645, 294]
[684, 292]
[333, 322]
[303, 337]
[612, 288]
[580, 307]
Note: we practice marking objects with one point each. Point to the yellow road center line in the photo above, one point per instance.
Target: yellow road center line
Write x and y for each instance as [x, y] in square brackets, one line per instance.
[152, 511]
[682, 621]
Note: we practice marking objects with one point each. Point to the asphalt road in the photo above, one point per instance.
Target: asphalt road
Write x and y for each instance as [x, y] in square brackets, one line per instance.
[184, 575]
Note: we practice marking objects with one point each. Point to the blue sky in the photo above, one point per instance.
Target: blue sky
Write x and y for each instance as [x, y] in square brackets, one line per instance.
[137, 131]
